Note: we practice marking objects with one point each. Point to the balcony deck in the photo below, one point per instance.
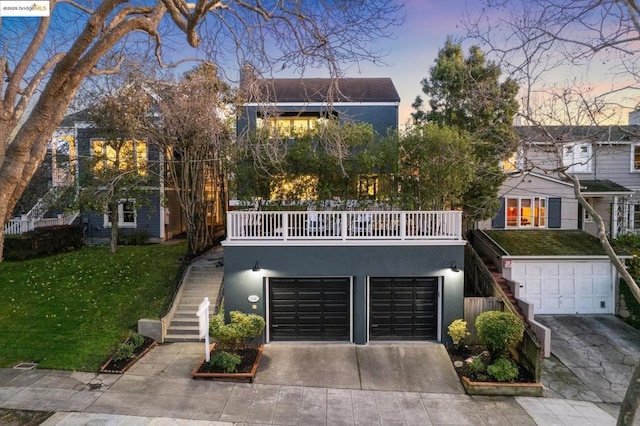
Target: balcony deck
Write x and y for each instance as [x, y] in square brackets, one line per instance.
[344, 227]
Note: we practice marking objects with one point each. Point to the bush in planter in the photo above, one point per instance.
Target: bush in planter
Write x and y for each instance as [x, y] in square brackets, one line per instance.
[458, 332]
[503, 370]
[127, 349]
[499, 331]
[227, 361]
[236, 334]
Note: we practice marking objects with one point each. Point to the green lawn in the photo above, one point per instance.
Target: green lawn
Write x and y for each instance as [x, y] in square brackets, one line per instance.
[71, 311]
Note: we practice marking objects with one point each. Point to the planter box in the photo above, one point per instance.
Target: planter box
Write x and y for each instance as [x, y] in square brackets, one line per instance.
[228, 376]
[106, 369]
[504, 389]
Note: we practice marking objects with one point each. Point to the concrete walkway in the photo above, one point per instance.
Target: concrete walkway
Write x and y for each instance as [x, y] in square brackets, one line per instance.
[158, 390]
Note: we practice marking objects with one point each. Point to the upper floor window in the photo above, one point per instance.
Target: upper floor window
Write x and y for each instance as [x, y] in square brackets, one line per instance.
[515, 161]
[635, 158]
[289, 125]
[526, 212]
[121, 154]
[577, 157]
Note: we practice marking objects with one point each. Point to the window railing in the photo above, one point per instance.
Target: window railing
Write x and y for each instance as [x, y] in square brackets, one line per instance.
[344, 225]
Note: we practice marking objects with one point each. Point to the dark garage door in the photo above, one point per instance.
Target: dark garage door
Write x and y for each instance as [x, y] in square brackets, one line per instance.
[403, 308]
[309, 309]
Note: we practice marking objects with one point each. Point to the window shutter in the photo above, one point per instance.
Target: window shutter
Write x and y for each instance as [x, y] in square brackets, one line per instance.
[498, 220]
[555, 212]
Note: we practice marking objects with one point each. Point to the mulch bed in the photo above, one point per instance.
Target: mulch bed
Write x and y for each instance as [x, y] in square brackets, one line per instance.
[120, 366]
[467, 352]
[248, 356]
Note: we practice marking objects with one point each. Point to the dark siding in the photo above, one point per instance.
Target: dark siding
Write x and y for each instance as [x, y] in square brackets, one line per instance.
[498, 220]
[555, 212]
[382, 117]
[358, 262]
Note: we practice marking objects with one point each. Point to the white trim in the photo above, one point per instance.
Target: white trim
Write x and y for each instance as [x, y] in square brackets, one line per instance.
[585, 258]
[121, 223]
[342, 243]
[318, 104]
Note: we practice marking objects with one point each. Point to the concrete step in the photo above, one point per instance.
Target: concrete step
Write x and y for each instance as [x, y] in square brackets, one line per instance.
[181, 338]
[182, 330]
[184, 322]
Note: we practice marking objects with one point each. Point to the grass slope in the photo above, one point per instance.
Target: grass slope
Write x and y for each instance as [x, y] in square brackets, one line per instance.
[71, 311]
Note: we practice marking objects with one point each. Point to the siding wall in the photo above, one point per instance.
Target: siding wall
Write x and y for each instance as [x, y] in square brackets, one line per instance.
[381, 117]
[358, 262]
[148, 215]
[535, 186]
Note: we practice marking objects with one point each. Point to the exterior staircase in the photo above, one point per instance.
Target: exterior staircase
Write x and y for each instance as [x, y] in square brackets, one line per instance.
[202, 279]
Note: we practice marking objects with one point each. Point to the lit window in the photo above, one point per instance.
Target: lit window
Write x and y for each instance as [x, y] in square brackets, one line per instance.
[526, 212]
[288, 126]
[577, 157]
[290, 187]
[125, 155]
[126, 214]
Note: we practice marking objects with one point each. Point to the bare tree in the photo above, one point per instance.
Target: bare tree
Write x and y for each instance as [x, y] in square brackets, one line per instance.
[536, 40]
[192, 130]
[45, 60]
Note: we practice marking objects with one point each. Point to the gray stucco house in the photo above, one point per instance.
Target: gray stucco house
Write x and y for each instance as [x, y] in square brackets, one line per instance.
[342, 275]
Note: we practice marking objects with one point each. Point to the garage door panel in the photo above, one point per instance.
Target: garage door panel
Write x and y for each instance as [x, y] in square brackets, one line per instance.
[567, 286]
[578, 287]
[313, 309]
[403, 308]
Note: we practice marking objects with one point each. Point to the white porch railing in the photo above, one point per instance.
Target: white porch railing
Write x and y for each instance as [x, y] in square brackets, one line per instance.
[22, 225]
[344, 225]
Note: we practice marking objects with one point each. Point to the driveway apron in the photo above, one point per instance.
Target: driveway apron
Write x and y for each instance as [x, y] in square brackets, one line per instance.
[384, 367]
[593, 357]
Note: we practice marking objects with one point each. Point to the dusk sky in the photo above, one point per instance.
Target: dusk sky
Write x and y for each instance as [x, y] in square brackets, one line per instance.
[415, 45]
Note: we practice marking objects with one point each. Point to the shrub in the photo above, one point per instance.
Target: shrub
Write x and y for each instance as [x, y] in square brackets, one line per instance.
[124, 352]
[241, 328]
[136, 339]
[503, 370]
[136, 238]
[458, 332]
[499, 331]
[227, 361]
[477, 366]
[43, 242]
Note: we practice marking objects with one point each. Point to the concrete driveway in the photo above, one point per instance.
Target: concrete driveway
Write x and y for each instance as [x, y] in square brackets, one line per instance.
[593, 357]
[423, 367]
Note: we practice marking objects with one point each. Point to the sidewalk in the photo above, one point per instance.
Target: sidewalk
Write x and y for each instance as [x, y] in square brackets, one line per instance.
[158, 390]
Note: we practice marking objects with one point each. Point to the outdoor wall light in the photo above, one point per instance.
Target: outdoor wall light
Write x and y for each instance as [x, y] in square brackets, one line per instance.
[256, 267]
[454, 267]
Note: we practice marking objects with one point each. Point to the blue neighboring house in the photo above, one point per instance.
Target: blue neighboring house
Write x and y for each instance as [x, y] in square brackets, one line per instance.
[350, 276]
[159, 214]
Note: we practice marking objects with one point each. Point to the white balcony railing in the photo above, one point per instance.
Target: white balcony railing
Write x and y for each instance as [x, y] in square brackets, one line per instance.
[344, 225]
[22, 225]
